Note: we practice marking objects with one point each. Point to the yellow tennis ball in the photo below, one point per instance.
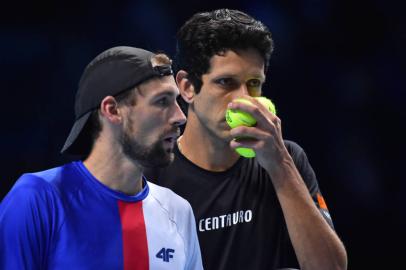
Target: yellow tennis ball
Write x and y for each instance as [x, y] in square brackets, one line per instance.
[237, 118]
[267, 103]
[245, 152]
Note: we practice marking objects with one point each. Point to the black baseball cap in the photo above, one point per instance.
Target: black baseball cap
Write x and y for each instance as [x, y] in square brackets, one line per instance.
[112, 72]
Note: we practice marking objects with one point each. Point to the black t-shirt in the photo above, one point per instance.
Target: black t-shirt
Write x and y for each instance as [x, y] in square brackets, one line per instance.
[238, 216]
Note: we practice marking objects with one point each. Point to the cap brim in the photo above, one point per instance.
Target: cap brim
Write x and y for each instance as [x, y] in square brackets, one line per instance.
[74, 134]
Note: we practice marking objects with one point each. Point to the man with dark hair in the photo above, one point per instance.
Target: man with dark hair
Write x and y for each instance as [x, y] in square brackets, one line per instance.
[260, 213]
[102, 213]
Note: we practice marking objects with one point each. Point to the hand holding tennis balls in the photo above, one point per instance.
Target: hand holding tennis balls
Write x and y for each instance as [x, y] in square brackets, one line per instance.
[236, 118]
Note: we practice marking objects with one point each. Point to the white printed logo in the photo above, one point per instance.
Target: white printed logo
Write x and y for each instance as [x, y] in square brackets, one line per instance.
[227, 220]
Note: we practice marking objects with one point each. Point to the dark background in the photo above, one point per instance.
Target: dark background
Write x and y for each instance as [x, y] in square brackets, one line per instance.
[336, 77]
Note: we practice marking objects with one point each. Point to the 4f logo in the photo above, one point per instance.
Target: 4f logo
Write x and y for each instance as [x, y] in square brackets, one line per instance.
[165, 254]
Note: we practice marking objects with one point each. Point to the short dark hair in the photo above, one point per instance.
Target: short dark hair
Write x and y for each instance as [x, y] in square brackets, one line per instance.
[208, 33]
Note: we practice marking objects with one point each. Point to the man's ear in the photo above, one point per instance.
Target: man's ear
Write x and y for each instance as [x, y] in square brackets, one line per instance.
[109, 109]
[186, 88]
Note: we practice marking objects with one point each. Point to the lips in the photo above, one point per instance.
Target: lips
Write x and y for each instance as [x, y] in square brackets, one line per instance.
[172, 136]
[170, 140]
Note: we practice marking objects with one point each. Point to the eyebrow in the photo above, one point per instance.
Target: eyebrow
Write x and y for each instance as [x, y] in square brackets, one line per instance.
[166, 92]
[260, 77]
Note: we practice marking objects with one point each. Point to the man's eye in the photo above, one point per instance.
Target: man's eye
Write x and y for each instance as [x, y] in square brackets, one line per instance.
[163, 101]
[254, 83]
[254, 87]
[226, 82]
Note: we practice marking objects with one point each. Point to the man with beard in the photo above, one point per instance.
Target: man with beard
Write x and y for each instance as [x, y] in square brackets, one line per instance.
[101, 213]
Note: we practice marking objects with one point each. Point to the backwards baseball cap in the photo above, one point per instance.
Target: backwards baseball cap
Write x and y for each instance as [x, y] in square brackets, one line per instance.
[112, 72]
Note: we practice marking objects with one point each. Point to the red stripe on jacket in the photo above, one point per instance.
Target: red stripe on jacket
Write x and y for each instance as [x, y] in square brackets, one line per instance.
[135, 245]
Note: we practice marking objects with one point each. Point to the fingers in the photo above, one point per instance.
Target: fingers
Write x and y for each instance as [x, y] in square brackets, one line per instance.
[244, 133]
[262, 129]
[247, 142]
[265, 133]
[257, 110]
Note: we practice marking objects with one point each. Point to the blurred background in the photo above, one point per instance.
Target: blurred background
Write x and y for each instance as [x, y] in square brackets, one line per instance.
[336, 76]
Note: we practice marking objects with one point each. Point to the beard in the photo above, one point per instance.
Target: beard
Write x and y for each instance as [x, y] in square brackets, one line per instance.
[154, 155]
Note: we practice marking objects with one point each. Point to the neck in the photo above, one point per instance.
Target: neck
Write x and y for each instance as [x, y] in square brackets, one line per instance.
[206, 149]
[113, 169]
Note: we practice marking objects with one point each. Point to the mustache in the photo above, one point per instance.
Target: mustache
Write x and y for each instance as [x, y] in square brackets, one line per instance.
[172, 130]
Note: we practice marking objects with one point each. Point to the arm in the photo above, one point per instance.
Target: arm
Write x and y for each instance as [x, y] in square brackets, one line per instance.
[315, 243]
[24, 227]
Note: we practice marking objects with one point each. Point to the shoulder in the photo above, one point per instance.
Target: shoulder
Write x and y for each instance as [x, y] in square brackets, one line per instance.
[30, 216]
[30, 184]
[52, 180]
[176, 208]
[297, 153]
[43, 188]
[293, 147]
[32, 198]
[168, 199]
[303, 165]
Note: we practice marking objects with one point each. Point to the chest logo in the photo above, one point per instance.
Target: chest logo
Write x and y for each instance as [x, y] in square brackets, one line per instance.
[224, 221]
[165, 254]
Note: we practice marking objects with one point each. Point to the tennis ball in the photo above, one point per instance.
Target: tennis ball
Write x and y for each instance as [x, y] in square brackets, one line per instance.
[245, 152]
[267, 103]
[237, 118]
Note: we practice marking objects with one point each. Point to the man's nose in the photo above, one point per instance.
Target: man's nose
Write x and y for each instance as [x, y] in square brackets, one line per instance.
[178, 117]
[241, 91]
